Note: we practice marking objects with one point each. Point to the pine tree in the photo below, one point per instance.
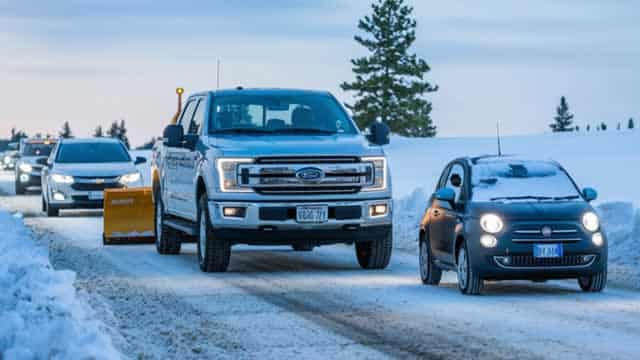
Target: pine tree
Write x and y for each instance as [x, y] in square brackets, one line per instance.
[563, 118]
[123, 133]
[389, 82]
[603, 127]
[619, 126]
[114, 130]
[66, 133]
[16, 135]
[588, 127]
[98, 132]
[631, 125]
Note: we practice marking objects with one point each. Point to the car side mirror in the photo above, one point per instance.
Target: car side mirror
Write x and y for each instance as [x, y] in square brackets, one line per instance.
[140, 160]
[379, 133]
[446, 195]
[589, 194]
[173, 135]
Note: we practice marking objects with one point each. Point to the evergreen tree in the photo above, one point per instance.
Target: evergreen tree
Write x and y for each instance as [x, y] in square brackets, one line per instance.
[66, 133]
[603, 127]
[16, 135]
[123, 133]
[98, 132]
[563, 118]
[619, 126]
[631, 125]
[114, 130]
[390, 82]
[588, 127]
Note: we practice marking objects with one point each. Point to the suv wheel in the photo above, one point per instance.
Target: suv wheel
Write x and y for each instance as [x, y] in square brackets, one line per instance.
[593, 283]
[429, 272]
[375, 254]
[167, 240]
[469, 282]
[48, 209]
[213, 254]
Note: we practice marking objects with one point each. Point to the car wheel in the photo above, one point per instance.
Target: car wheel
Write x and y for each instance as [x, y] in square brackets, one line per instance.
[167, 240]
[214, 254]
[302, 246]
[375, 254]
[469, 282]
[593, 283]
[429, 272]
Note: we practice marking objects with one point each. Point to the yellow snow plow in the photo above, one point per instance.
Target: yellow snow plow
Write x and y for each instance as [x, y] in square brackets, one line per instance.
[129, 213]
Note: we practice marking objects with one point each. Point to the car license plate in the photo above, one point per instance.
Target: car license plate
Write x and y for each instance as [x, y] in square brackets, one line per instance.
[312, 214]
[547, 250]
[96, 195]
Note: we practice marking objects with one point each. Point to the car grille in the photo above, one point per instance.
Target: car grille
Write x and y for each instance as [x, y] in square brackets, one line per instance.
[531, 233]
[95, 184]
[284, 176]
[520, 261]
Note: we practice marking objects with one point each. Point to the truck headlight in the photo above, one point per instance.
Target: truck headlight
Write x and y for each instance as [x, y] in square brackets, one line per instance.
[228, 174]
[25, 168]
[379, 181]
[130, 178]
[491, 223]
[62, 179]
[590, 221]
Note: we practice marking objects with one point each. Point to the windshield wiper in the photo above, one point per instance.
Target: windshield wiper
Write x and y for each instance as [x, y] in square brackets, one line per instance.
[242, 131]
[568, 197]
[526, 197]
[305, 130]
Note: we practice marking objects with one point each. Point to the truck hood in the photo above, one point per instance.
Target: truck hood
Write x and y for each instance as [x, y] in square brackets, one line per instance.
[95, 170]
[523, 211]
[295, 145]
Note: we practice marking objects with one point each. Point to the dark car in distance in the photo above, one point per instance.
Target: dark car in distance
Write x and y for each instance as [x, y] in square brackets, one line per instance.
[507, 218]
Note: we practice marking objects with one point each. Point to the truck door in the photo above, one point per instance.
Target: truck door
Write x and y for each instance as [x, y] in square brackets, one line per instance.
[190, 162]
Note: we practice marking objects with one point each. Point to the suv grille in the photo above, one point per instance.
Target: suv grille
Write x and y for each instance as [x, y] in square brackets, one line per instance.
[95, 184]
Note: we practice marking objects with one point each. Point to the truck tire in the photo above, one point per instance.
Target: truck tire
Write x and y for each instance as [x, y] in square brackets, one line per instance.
[213, 254]
[469, 282]
[375, 254]
[429, 272]
[167, 239]
[593, 283]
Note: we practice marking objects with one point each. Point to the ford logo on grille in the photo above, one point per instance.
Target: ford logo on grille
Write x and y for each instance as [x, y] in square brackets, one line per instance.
[310, 174]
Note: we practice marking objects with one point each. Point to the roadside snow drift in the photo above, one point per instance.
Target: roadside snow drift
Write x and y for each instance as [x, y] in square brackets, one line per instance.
[40, 313]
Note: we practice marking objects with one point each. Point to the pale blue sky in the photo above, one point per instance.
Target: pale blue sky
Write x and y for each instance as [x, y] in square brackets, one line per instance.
[90, 62]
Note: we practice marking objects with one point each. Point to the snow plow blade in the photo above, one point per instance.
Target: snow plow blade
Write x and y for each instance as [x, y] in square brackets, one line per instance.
[128, 216]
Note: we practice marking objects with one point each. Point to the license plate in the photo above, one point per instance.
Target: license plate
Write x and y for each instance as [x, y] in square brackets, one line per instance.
[96, 195]
[547, 250]
[312, 214]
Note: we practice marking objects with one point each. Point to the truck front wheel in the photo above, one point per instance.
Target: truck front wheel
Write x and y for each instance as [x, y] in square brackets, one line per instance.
[375, 254]
[213, 254]
[167, 240]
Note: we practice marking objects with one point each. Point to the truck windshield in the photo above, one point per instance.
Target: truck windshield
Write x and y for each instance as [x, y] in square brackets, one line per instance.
[88, 152]
[37, 149]
[516, 180]
[279, 114]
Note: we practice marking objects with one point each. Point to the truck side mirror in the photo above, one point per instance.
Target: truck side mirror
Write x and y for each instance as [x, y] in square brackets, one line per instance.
[378, 133]
[589, 194]
[446, 195]
[173, 135]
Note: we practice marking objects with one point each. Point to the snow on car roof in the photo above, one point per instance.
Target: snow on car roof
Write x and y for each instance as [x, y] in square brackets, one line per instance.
[494, 159]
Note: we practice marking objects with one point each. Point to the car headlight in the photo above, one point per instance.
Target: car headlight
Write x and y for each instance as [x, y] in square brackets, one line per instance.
[379, 181]
[130, 178]
[7, 159]
[491, 223]
[590, 221]
[26, 168]
[228, 174]
[62, 179]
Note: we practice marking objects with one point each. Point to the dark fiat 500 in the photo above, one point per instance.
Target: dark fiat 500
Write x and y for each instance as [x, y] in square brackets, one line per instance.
[505, 218]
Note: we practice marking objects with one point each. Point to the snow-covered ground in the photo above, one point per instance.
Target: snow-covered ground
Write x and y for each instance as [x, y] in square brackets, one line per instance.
[606, 161]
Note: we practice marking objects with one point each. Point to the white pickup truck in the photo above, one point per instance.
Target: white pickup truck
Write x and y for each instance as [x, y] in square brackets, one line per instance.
[271, 167]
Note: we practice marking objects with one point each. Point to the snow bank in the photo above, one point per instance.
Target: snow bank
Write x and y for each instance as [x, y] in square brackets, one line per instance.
[41, 315]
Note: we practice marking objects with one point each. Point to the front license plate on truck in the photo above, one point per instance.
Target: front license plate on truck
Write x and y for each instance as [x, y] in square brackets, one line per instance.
[312, 214]
[547, 250]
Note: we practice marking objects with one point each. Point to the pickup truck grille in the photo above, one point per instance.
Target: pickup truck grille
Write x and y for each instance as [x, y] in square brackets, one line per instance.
[304, 175]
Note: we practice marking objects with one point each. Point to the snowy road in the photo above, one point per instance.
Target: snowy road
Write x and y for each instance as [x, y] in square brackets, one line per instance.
[275, 303]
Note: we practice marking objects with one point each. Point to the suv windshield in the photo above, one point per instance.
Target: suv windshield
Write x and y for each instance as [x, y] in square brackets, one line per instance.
[37, 149]
[279, 114]
[92, 153]
[521, 180]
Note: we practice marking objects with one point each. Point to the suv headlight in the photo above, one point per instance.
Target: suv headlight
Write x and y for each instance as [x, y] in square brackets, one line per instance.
[379, 173]
[62, 179]
[26, 168]
[590, 221]
[130, 178]
[228, 174]
[491, 223]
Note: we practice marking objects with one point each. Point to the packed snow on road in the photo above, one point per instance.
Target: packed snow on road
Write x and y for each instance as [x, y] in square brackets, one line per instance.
[85, 300]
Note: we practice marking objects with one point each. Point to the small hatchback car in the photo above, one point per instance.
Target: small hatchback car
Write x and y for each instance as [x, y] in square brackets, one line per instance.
[505, 218]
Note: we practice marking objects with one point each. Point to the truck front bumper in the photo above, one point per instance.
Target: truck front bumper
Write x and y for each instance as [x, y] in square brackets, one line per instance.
[266, 223]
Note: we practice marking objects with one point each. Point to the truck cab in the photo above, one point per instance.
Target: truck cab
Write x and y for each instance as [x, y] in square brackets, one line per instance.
[271, 167]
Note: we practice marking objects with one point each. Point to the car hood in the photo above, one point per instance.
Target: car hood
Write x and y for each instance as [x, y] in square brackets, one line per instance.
[286, 145]
[95, 169]
[31, 160]
[558, 210]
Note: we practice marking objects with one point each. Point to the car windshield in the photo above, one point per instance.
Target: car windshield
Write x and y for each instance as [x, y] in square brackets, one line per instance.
[516, 180]
[37, 149]
[316, 114]
[92, 152]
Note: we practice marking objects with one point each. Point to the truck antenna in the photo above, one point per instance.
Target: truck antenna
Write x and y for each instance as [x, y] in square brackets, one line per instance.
[218, 75]
[499, 143]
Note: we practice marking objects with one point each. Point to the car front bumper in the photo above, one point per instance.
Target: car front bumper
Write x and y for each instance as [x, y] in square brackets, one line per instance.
[27, 179]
